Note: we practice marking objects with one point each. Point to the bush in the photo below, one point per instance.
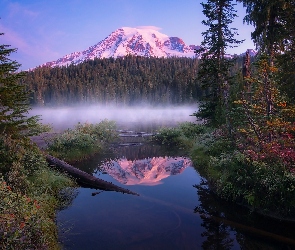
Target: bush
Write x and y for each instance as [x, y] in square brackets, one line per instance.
[21, 151]
[167, 136]
[191, 130]
[256, 184]
[28, 220]
[105, 131]
[207, 145]
[236, 177]
[29, 197]
[82, 141]
[182, 136]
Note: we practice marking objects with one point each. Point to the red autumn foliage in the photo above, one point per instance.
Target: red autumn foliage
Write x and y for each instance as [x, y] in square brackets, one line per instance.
[273, 153]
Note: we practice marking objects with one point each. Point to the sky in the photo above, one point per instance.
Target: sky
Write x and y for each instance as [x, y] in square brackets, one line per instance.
[45, 30]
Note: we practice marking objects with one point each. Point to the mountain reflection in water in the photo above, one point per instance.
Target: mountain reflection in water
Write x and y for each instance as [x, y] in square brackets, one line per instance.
[149, 171]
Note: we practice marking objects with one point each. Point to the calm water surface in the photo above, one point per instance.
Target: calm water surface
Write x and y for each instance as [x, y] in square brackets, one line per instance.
[172, 212]
[175, 209]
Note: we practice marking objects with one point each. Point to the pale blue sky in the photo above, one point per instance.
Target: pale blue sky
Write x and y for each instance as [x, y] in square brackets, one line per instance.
[45, 30]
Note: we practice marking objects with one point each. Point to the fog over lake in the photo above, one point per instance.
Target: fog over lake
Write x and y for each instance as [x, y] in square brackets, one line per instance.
[67, 117]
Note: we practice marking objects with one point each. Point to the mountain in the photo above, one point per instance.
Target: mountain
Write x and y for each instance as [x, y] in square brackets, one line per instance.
[130, 41]
[252, 52]
[148, 171]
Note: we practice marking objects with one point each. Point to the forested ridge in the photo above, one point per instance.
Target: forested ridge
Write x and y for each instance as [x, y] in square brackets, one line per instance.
[126, 80]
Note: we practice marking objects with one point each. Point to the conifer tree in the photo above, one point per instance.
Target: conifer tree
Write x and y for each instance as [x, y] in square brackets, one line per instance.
[270, 35]
[286, 60]
[269, 115]
[214, 68]
[13, 97]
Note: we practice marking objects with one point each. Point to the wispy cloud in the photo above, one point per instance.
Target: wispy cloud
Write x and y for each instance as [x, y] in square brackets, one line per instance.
[149, 27]
[16, 9]
[13, 38]
[37, 50]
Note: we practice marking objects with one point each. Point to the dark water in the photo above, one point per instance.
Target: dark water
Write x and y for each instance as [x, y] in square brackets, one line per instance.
[173, 212]
[175, 209]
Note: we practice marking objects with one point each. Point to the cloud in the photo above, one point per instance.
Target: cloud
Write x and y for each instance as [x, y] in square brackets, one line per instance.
[13, 38]
[149, 27]
[16, 9]
[38, 50]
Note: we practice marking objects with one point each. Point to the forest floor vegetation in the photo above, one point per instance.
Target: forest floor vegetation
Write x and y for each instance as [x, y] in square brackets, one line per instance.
[30, 195]
[31, 192]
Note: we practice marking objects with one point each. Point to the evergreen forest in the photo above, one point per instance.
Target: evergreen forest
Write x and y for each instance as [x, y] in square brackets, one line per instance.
[129, 80]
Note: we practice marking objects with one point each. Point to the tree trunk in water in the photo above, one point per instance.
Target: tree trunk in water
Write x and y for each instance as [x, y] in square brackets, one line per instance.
[86, 179]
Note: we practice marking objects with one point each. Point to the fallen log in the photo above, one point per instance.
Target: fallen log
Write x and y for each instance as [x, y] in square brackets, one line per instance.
[86, 179]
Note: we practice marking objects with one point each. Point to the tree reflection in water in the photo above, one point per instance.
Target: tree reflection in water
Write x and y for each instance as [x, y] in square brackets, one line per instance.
[229, 226]
[217, 234]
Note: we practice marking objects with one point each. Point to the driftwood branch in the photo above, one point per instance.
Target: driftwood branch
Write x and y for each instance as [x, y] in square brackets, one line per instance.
[86, 179]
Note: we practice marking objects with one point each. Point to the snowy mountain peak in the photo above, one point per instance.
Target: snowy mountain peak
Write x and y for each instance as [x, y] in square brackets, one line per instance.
[148, 171]
[252, 52]
[143, 41]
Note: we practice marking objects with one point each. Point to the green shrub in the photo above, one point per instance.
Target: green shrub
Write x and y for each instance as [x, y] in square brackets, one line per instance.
[191, 130]
[21, 221]
[261, 186]
[168, 136]
[182, 136]
[236, 177]
[105, 131]
[207, 145]
[28, 220]
[82, 141]
[32, 161]
[29, 197]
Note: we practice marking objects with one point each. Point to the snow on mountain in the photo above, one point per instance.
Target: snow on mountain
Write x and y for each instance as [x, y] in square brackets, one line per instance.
[251, 52]
[148, 171]
[130, 41]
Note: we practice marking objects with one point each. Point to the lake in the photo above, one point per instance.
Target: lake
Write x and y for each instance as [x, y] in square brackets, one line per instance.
[175, 208]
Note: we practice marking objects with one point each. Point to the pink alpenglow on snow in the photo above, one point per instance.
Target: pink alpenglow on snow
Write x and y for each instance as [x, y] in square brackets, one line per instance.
[146, 42]
[148, 171]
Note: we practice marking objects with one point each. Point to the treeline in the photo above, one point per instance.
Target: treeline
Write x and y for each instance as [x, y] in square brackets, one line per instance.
[127, 80]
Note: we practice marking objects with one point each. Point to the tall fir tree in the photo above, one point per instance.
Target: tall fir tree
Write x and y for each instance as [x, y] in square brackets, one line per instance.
[269, 20]
[286, 60]
[214, 68]
[272, 35]
[14, 99]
